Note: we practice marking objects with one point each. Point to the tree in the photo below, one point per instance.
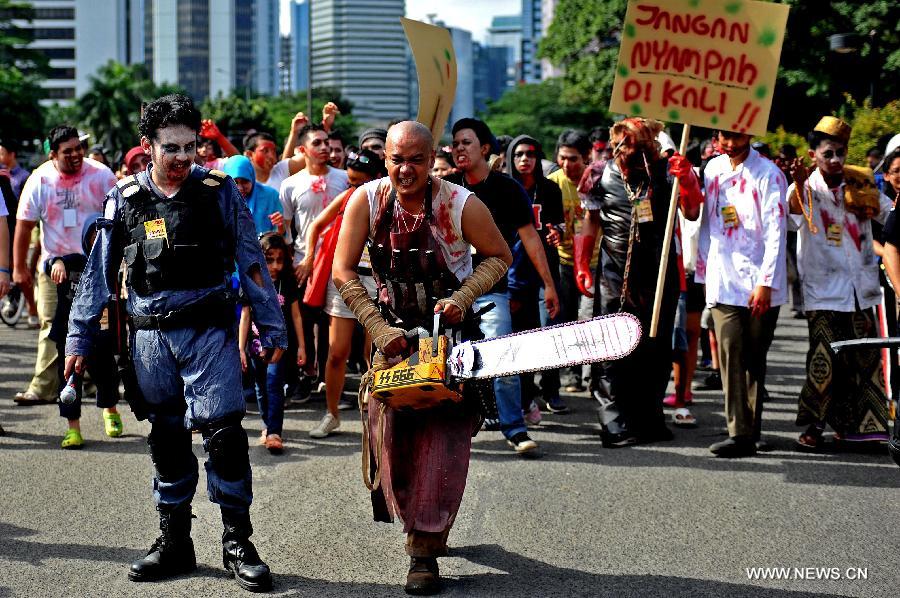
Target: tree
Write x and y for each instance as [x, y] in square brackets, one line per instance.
[20, 96]
[812, 81]
[21, 69]
[584, 39]
[536, 110]
[234, 115]
[110, 108]
[15, 39]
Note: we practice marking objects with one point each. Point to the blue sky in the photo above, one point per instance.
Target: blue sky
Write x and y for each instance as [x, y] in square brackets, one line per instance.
[474, 15]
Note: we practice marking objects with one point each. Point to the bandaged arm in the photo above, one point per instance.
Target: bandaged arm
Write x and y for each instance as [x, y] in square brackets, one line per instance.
[351, 240]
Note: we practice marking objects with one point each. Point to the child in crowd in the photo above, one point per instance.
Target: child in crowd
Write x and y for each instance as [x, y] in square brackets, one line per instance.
[270, 377]
[65, 271]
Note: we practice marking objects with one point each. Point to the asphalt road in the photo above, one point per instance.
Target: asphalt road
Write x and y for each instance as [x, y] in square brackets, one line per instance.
[656, 520]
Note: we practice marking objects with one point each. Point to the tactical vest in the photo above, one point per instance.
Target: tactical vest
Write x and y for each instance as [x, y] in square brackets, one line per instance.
[175, 243]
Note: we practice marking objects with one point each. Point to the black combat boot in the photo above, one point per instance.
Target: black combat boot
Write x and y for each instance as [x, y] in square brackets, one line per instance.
[239, 556]
[173, 551]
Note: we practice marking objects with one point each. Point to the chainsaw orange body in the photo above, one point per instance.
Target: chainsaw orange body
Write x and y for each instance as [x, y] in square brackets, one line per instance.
[421, 380]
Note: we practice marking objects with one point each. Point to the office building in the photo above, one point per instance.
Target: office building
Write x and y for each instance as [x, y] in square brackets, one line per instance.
[80, 36]
[359, 48]
[532, 32]
[548, 11]
[299, 57]
[211, 47]
[490, 69]
[506, 32]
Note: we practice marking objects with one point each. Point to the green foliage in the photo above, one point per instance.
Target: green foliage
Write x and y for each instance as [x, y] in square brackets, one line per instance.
[775, 139]
[234, 115]
[539, 110]
[111, 106]
[583, 39]
[19, 97]
[812, 80]
[20, 72]
[283, 108]
[14, 39]
[870, 126]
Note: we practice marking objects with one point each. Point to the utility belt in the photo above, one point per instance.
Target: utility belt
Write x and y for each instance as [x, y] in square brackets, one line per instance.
[216, 311]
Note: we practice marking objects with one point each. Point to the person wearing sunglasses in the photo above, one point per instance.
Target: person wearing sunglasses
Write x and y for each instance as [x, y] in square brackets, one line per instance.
[523, 163]
[839, 276]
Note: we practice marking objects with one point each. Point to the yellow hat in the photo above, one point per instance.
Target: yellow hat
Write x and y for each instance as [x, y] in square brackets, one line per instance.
[835, 127]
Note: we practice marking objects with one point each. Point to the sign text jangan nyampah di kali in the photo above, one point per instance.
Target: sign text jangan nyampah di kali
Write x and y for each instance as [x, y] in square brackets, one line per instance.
[709, 63]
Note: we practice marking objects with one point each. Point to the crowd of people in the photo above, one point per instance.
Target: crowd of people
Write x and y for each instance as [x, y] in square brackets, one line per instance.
[356, 255]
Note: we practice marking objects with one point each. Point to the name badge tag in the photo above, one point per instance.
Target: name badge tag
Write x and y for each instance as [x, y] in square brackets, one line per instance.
[834, 234]
[155, 229]
[644, 211]
[70, 218]
[730, 217]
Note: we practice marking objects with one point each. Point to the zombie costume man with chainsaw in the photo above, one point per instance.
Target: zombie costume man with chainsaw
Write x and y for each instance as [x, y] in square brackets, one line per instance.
[628, 205]
[420, 231]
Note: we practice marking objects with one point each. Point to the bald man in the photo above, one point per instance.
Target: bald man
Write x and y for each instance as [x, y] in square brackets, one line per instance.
[421, 231]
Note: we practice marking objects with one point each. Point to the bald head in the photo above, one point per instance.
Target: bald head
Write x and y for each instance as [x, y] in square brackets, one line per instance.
[409, 133]
[409, 158]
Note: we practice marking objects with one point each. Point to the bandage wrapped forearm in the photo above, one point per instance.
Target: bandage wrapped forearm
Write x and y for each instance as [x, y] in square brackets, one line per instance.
[357, 299]
[486, 275]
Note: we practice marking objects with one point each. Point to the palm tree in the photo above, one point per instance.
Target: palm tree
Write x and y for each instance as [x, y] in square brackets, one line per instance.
[110, 108]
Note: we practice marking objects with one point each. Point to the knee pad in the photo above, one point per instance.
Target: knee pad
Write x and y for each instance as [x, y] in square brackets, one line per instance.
[229, 451]
[170, 450]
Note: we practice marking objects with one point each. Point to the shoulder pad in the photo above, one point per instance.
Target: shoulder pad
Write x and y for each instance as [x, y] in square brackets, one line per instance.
[128, 186]
[214, 178]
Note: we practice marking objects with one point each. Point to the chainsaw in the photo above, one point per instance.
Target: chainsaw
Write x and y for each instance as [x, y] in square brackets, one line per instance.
[440, 363]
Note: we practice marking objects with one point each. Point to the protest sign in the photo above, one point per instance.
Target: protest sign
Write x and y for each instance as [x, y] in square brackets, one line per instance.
[432, 49]
[710, 63]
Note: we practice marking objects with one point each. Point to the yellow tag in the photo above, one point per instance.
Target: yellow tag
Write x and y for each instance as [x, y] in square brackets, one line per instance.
[730, 217]
[155, 229]
[645, 211]
[834, 234]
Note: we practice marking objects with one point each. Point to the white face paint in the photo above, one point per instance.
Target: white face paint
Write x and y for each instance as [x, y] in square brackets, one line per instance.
[172, 153]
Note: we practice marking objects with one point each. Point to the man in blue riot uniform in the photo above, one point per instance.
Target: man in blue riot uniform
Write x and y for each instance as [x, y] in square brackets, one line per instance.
[180, 229]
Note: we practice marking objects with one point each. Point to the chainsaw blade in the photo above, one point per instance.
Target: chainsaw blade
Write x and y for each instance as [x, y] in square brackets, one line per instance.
[603, 338]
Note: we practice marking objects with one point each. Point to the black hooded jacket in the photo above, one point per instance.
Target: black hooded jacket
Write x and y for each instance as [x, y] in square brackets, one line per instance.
[546, 199]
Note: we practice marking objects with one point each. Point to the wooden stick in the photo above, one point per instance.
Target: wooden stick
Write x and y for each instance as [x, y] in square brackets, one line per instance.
[667, 241]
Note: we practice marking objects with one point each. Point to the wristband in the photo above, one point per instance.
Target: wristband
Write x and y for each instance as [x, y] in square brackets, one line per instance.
[6, 271]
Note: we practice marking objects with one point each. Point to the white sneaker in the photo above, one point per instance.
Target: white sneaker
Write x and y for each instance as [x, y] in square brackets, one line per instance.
[328, 425]
[34, 322]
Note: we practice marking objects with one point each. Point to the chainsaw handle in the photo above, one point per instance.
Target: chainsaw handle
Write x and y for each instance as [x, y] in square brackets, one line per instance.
[435, 333]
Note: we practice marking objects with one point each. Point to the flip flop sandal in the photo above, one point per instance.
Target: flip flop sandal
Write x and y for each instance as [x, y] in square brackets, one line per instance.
[670, 400]
[809, 443]
[683, 418]
[27, 398]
